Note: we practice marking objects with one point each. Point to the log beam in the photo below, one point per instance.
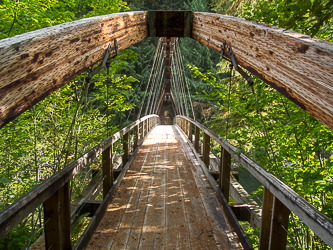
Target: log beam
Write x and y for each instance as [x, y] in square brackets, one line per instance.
[296, 65]
[34, 64]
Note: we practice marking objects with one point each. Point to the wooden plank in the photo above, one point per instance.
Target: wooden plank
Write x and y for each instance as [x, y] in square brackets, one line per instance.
[225, 167]
[22, 207]
[206, 149]
[266, 219]
[197, 139]
[136, 134]
[35, 64]
[57, 221]
[96, 219]
[65, 216]
[279, 227]
[125, 148]
[317, 221]
[296, 65]
[107, 170]
[191, 132]
[227, 209]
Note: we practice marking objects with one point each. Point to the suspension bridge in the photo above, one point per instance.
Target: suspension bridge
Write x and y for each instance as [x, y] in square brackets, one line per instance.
[170, 192]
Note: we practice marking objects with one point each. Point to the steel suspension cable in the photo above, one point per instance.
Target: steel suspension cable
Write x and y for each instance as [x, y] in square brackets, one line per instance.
[144, 76]
[180, 93]
[226, 133]
[273, 153]
[158, 93]
[181, 80]
[143, 100]
[175, 96]
[156, 86]
[154, 79]
[185, 79]
[180, 103]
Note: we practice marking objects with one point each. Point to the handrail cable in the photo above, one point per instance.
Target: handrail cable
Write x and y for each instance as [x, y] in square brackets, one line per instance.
[143, 99]
[181, 79]
[144, 76]
[185, 79]
[154, 79]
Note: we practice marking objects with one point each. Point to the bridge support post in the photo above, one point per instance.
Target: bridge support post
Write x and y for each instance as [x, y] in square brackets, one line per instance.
[136, 129]
[191, 132]
[197, 139]
[107, 170]
[125, 148]
[225, 164]
[279, 227]
[57, 220]
[146, 126]
[266, 219]
[206, 149]
[141, 131]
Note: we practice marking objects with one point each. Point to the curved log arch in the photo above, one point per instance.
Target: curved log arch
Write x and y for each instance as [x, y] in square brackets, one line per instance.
[35, 64]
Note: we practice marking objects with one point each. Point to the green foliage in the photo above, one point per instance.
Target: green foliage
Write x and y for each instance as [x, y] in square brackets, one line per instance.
[312, 17]
[302, 145]
[26, 15]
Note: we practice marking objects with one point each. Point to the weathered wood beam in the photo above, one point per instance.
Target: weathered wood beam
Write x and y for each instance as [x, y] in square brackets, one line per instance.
[34, 64]
[296, 65]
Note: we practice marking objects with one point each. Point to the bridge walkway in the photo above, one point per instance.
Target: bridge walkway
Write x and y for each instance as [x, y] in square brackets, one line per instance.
[165, 202]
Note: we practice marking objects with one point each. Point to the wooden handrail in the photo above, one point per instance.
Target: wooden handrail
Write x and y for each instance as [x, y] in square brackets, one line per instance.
[317, 221]
[22, 207]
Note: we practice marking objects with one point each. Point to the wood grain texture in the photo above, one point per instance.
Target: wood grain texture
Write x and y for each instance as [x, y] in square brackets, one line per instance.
[296, 65]
[34, 64]
[317, 221]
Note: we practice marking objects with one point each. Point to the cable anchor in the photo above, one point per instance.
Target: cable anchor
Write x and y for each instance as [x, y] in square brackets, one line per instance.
[238, 69]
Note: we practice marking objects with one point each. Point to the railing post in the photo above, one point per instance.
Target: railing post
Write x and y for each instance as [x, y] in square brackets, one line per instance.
[146, 127]
[279, 227]
[107, 170]
[197, 139]
[136, 139]
[266, 219]
[191, 132]
[125, 148]
[57, 220]
[225, 166]
[141, 131]
[206, 149]
[186, 127]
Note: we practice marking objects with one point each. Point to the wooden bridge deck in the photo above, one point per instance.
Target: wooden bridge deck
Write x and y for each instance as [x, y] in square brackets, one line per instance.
[165, 202]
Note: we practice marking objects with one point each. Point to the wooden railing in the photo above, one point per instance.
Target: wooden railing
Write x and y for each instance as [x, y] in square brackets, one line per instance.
[278, 200]
[54, 193]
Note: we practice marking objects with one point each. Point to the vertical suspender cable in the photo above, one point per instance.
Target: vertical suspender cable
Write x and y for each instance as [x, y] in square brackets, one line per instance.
[181, 80]
[154, 80]
[156, 86]
[177, 87]
[159, 93]
[185, 79]
[144, 76]
[143, 100]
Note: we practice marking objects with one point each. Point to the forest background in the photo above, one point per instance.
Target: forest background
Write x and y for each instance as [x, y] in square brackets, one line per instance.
[73, 119]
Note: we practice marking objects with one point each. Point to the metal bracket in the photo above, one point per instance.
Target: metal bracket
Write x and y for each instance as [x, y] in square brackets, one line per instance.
[222, 48]
[95, 70]
[116, 46]
[238, 69]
